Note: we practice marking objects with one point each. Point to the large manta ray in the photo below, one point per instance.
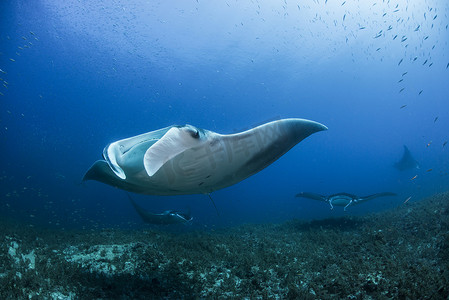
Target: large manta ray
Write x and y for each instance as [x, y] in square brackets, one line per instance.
[343, 199]
[179, 160]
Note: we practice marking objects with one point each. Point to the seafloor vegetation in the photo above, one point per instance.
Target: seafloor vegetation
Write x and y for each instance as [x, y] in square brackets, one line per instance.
[400, 254]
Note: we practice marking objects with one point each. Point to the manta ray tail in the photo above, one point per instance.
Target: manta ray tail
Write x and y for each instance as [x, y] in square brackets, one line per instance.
[212, 200]
[312, 196]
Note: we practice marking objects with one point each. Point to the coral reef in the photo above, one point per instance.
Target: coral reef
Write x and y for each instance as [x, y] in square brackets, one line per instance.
[400, 254]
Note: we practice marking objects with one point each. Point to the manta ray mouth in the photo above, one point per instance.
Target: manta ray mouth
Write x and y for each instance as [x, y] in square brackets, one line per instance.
[137, 145]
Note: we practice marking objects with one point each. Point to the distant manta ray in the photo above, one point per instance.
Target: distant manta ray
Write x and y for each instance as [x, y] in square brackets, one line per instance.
[343, 199]
[407, 161]
[166, 218]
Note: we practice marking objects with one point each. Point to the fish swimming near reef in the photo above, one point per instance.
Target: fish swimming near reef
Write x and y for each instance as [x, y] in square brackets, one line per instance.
[179, 160]
[343, 199]
[407, 161]
[166, 218]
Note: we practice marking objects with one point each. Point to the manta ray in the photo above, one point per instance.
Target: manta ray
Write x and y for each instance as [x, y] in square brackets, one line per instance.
[179, 160]
[165, 218]
[343, 199]
[407, 161]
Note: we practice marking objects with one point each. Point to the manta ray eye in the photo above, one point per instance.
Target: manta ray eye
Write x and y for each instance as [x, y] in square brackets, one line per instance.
[195, 134]
[192, 131]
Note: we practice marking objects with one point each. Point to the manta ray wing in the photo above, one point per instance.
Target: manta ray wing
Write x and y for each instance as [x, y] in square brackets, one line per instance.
[370, 197]
[312, 196]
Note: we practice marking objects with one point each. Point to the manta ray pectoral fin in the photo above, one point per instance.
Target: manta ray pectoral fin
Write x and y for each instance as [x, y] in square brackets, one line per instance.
[99, 171]
[304, 128]
[312, 196]
[175, 141]
[370, 197]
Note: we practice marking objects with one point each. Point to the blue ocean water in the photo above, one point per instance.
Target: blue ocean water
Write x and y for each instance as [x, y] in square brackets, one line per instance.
[78, 75]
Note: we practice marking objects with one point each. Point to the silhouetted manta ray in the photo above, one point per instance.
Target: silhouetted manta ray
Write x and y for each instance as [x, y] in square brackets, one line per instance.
[165, 218]
[407, 161]
[343, 199]
[179, 160]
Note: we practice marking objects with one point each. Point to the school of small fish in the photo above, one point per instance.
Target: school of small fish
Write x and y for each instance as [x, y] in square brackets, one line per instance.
[387, 26]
